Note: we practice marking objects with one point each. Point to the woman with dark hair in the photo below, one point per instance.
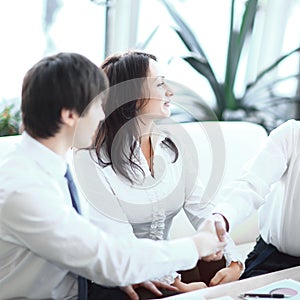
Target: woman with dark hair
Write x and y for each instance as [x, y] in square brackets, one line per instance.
[141, 166]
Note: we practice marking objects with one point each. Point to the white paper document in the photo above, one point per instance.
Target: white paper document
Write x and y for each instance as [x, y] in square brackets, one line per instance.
[286, 289]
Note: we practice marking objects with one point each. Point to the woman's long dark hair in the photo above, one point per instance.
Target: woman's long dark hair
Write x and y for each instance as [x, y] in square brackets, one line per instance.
[117, 137]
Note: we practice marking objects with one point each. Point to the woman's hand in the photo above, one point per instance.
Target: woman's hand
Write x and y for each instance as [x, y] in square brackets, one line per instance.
[188, 287]
[149, 285]
[231, 273]
[213, 257]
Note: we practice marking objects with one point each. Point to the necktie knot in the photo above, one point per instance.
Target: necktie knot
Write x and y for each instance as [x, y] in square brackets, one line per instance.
[68, 174]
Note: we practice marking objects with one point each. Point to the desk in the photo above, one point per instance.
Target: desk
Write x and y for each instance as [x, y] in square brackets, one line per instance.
[234, 289]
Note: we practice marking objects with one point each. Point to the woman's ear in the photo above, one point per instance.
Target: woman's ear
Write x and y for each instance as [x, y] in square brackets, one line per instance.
[69, 117]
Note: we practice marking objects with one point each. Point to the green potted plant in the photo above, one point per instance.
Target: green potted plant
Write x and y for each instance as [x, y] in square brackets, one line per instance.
[228, 104]
[9, 121]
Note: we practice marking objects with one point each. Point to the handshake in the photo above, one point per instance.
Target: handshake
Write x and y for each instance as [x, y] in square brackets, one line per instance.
[210, 239]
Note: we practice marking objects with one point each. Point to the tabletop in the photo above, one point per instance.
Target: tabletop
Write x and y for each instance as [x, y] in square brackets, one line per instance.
[234, 289]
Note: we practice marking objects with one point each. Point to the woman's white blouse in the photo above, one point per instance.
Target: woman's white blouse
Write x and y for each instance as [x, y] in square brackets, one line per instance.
[146, 209]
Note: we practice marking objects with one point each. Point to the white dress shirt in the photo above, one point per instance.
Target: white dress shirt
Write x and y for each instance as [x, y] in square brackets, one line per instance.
[44, 242]
[149, 205]
[271, 182]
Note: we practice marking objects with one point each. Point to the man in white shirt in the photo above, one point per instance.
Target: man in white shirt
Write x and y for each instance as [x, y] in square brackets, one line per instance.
[44, 243]
[272, 184]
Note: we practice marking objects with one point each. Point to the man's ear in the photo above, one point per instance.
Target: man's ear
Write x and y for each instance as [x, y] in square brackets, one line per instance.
[69, 117]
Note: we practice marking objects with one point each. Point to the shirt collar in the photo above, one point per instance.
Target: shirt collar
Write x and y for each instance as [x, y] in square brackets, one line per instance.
[157, 136]
[51, 162]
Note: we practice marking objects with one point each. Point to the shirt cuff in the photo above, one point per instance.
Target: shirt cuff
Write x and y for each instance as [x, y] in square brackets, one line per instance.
[168, 279]
[229, 214]
[232, 254]
[225, 220]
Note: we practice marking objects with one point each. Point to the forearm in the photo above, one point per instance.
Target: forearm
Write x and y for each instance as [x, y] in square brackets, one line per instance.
[59, 235]
[126, 262]
[238, 201]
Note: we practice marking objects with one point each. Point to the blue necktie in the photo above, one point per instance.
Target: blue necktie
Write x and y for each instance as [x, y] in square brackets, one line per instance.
[82, 282]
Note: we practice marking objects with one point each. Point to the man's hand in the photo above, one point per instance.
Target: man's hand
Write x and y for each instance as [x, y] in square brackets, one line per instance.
[149, 285]
[210, 240]
[220, 227]
[231, 273]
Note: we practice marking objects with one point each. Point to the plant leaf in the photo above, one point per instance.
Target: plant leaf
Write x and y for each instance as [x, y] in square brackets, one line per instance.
[184, 31]
[267, 86]
[144, 44]
[189, 103]
[235, 47]
[203, 67]
[270, 68]
[9, 121]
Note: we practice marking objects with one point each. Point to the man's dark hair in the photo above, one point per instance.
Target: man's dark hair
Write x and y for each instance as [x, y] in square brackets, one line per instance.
[64, 80]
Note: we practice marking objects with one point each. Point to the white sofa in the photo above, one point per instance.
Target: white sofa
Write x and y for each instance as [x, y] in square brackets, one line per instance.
[241, 141]
[229, 145]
